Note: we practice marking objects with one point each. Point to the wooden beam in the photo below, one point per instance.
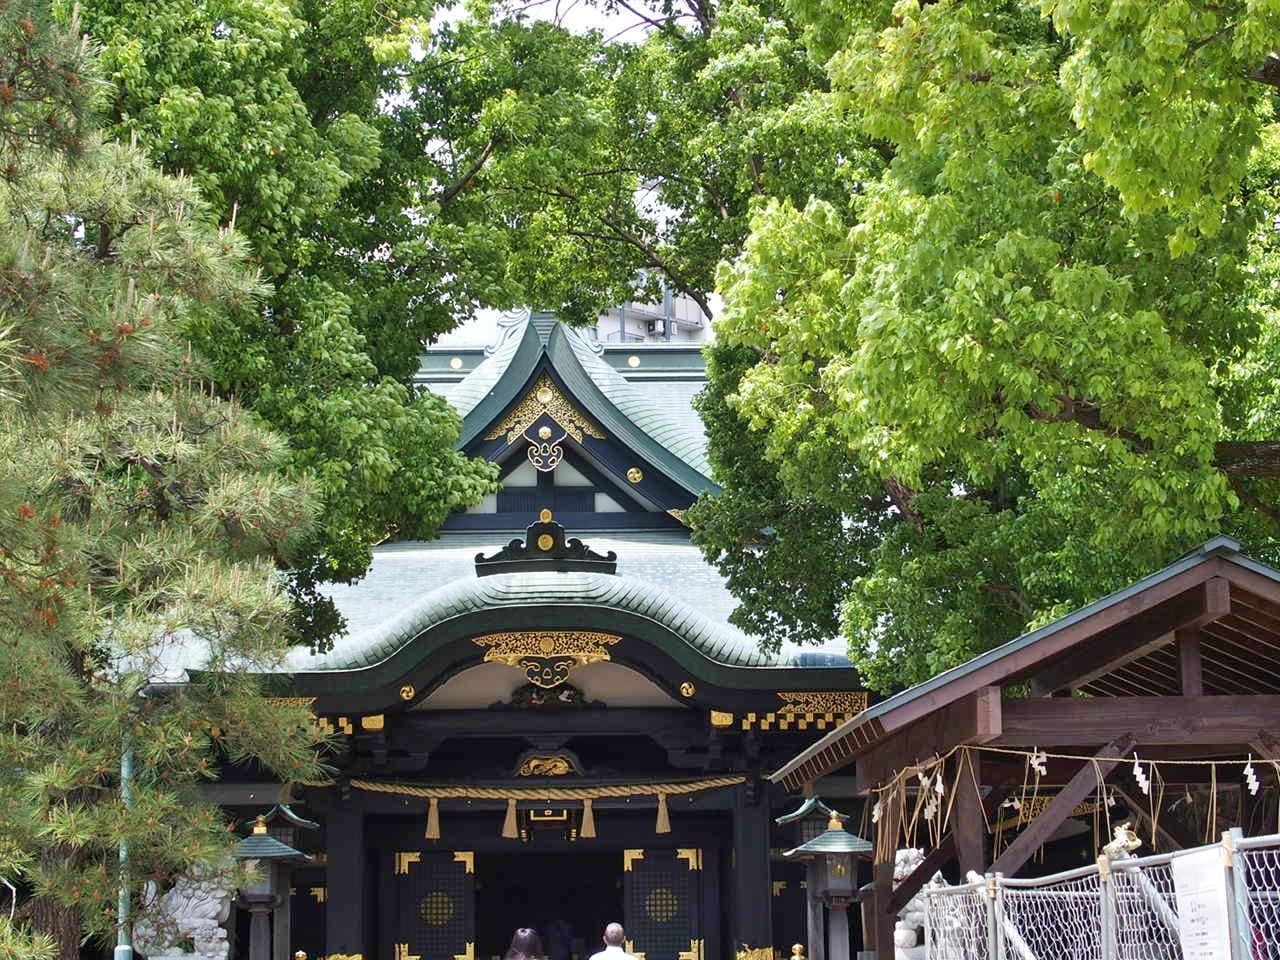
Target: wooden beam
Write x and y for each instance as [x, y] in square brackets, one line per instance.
[1076, 790]
[935, 860]
[1190, 672]
[1154, 721]
[973, 719]
[1134, 639]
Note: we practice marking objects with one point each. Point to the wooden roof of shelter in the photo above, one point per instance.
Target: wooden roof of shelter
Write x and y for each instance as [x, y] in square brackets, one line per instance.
[1205, 629]
[1183, 664]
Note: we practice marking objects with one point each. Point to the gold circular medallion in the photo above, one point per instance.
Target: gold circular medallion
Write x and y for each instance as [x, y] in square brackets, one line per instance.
[407, 692]
[544, 515]
[635, 474]
[544, 395]
[455, 363]
[633, 361]
[687, 689]
[661, 905]
[545, 542]
[544, 432]
[546, 644]
[436, 908]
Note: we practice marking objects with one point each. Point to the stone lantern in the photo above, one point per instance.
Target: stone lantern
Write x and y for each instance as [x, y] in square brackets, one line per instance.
[806, 822]
[274, 861]
[834, 876]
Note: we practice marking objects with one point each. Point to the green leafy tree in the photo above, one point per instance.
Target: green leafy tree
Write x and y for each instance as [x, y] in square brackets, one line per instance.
[277, 112]
[1001, 331]
[141, 519]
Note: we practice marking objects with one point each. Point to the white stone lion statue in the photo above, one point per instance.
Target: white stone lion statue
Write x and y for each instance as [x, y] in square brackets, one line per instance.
[906, 932]
[192, 911]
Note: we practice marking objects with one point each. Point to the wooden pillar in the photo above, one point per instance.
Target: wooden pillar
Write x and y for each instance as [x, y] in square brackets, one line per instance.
[969, 825]
[1189, 668]
[752, 893]
[883, 912]
[346, 903]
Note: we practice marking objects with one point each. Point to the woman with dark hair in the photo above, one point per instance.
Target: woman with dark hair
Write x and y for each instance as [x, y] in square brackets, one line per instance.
[525, 945]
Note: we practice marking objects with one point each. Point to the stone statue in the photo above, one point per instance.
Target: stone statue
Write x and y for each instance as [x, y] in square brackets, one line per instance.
[1124, 842]
[906, 932]
[193, 911]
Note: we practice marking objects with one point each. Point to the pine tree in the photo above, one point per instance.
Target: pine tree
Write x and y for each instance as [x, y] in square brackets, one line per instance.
[141, 518]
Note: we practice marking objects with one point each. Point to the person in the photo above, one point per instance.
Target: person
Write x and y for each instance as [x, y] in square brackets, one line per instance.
[525, 945]
[614, 938]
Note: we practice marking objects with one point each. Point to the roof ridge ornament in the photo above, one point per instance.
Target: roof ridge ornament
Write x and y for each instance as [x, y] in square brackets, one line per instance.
[545, 547]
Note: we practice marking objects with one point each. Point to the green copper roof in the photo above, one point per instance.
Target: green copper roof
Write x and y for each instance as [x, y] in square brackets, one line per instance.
[832, 842]
[810, 805]
[657, 421]
[718, 642]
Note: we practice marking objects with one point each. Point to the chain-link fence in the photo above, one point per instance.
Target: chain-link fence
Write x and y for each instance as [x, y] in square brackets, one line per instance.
[1221, 901]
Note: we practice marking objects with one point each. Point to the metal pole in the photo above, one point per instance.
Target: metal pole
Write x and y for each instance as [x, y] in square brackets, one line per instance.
[1237, 896]
[1107, 908]
[124, 935]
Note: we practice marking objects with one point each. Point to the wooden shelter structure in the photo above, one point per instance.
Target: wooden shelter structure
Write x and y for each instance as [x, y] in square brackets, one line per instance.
[1180, 668]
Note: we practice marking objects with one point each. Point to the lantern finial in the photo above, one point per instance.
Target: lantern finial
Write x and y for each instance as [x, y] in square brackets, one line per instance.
[836, 822]
[260, 827]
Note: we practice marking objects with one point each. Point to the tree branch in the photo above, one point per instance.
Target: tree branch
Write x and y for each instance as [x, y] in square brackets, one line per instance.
[450, 192]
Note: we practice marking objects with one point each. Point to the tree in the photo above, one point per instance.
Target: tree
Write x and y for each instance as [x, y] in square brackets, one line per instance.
[141, 518]
[276, 112]
[1000, 331]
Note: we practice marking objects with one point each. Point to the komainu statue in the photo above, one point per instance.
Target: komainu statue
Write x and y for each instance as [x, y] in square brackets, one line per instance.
[192, 912]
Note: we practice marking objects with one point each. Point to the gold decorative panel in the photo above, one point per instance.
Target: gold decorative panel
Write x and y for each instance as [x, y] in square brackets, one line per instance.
[376, 722]
[694, 952]
[321, 894]
[436, 908]
[402, 952]
[547, 656]
[405, 860]
[467, 858]
[630, 947]
[469, 952]
[544, 398]
[820, 709]
[629, 857]
[692, 854]
[721, 718]
[547, 766]
[661, 905]
[778, 887]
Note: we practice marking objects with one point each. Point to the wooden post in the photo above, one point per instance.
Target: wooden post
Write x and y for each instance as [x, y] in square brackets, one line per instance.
[346, 905]
[1189, 667]
[969, 825]
[752, 893]
[882, 875]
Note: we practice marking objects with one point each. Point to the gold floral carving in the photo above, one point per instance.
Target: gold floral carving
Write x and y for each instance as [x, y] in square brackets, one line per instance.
[547, 656]
[546, 766]
[849, 702]
[544, 398]
[346, 956]
[755, 953]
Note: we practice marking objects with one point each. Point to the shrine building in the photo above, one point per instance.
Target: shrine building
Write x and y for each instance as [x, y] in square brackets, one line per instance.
[544, 718]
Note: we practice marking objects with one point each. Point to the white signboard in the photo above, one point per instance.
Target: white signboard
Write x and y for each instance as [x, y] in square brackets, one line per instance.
[1200, 886]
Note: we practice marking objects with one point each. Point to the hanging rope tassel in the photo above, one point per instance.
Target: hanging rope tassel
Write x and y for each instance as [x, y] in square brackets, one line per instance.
[588, 820]
[509, 829]
[433, 819]
[664, 819]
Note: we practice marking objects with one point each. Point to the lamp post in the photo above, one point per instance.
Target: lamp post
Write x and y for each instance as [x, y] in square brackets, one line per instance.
[834, 877]
[273, 860]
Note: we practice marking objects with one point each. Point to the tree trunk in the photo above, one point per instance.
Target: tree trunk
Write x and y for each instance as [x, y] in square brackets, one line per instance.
[50, 917]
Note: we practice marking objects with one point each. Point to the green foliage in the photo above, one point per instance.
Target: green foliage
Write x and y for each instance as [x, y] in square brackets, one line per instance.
[1001, 331]
[141, 519]
[274, 110]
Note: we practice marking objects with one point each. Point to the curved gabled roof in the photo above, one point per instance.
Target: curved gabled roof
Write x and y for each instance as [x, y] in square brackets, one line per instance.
[718, 643]
[630, 413]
